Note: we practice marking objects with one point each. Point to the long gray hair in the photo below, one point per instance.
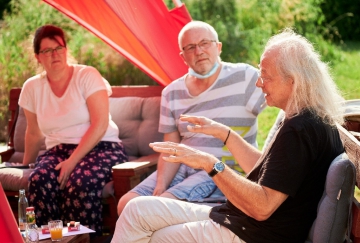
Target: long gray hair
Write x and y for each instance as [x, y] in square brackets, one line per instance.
[314, 87]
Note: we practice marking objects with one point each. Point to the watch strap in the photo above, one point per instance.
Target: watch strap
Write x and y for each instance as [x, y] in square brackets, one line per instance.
[215, 171]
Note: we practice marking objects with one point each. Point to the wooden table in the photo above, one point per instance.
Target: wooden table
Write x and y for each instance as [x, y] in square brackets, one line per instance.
[81, 238]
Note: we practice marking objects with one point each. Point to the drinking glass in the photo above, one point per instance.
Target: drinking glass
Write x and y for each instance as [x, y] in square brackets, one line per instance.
[55, 228]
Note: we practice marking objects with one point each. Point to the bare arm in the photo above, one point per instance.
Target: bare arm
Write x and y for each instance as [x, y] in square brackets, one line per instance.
[258, 202]
[244, 153]
[33, 138]
[166, 171]
[98, 105]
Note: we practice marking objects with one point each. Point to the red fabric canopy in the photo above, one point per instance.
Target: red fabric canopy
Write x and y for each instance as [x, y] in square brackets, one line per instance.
[143, 31]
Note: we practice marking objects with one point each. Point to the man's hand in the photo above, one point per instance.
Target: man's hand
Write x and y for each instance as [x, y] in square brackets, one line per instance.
[206, 126]
[180, 153]
[159, 189]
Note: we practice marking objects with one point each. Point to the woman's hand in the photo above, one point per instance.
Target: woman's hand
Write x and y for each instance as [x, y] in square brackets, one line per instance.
[206, 126]
[180, 153]
[66, 167]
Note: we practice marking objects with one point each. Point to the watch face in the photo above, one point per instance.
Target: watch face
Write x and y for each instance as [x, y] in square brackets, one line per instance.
[219, 166]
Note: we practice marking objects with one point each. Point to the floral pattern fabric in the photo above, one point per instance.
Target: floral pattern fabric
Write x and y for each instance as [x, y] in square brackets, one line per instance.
[81, 198]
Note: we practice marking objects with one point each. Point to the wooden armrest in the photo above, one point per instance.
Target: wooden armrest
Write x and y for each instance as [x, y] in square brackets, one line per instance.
[352, 148]
[6, 154]
[129, 174]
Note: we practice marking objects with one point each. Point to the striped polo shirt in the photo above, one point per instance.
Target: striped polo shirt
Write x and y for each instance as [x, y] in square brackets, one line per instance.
[233, 99]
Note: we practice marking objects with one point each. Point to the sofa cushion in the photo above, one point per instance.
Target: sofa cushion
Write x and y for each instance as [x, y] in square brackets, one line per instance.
[138, 120]
[334, 207]
[13, 179]
[19, 136]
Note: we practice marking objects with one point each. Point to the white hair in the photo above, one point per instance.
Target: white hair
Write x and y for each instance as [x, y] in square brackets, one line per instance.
[314, 87]
[195, 24]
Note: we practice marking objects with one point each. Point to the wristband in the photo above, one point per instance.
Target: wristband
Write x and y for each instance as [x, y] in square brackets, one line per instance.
[227, 137]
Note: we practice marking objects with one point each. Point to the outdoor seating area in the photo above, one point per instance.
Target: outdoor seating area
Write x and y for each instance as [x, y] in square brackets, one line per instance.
[134, 109]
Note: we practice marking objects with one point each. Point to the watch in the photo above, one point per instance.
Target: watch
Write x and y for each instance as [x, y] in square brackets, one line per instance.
[218, 167]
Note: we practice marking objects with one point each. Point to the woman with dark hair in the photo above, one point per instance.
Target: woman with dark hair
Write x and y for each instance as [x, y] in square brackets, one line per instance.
[68, 105]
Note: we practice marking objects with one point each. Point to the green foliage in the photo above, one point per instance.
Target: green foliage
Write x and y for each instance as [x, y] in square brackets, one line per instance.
[223, 16]
[243, 26]
[4, 6]
[342, 19]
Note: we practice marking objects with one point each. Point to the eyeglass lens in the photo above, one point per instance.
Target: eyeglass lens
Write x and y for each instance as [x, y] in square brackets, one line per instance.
[205, 44]
[49, 51]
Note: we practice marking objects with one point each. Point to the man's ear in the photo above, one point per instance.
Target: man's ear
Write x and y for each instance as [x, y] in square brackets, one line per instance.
[181, 54]
[219, 46]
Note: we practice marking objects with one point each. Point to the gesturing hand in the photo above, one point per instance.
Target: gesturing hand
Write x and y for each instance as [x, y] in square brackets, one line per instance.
[180, 153]
[205, 125]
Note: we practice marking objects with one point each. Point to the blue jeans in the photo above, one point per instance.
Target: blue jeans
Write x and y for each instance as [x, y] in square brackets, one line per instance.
[188, 184]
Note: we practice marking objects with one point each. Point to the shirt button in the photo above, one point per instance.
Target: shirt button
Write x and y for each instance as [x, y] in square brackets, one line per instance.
[243, 228]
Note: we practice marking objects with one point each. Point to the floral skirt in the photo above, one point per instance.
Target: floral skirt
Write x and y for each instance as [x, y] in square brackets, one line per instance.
[81, 198]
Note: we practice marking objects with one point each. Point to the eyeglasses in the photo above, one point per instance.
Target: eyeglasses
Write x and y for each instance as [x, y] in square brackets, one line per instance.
[262, 79]
[49, 51]
[203, 45]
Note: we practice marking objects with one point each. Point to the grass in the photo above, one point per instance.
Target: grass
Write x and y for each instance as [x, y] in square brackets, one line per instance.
[346, 73]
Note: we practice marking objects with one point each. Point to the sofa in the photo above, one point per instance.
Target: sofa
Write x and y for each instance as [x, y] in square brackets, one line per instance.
[134, 109]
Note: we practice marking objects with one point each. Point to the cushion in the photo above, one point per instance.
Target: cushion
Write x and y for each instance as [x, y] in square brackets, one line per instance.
[13, 179]
[352, 110]
[138, 120]
[19, 134]
[335, 205]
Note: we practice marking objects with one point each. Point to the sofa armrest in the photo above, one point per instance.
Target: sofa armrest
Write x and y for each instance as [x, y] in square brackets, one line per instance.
[129, 174]
[352, 148]
[6, 154]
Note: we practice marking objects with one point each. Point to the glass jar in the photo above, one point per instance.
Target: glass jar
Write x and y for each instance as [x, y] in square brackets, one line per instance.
[32, 232]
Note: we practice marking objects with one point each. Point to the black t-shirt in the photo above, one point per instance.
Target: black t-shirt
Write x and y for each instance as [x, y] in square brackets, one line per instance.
[295, 163]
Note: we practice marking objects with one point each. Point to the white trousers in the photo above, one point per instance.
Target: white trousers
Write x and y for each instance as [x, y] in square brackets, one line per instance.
[158, 219]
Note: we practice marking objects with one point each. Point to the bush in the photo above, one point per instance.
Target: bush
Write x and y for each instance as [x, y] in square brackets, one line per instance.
[245, 26]
[342, 18]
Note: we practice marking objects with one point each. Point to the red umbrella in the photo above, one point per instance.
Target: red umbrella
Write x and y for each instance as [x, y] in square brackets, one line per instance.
[143, 31]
